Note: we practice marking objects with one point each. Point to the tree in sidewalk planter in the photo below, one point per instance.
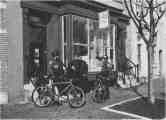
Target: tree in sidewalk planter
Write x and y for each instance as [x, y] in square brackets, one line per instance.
[146, 19]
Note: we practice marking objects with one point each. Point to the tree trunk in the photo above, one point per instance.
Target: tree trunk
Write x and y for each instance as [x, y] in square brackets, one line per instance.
[150, 74]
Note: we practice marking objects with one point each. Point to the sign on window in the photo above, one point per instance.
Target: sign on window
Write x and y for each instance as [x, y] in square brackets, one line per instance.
[104, 19]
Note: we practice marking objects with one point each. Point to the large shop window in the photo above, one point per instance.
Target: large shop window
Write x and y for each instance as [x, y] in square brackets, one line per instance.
[84, 44]
[87, 42]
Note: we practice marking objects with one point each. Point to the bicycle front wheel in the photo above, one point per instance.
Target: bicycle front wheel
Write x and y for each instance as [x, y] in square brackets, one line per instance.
[76, 97]
[41, 97]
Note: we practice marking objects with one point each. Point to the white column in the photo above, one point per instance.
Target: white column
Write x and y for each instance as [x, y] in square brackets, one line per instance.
[3, 54]
[114, 44]
[15, 49]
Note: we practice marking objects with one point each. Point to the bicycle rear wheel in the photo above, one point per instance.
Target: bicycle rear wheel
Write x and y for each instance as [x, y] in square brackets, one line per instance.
[76, 97]
[41, 97]
[100, 93]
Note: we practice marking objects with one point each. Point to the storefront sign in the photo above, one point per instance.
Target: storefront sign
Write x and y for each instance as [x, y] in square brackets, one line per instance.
[104, 19]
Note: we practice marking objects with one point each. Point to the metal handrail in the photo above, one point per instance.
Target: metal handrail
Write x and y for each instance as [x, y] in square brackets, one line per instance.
[135, 67]
[131, 61]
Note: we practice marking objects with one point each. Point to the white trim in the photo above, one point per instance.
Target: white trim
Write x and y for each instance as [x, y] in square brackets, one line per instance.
[125, 113]
[108, 108]
[114, 46]
[124, 101]
[88, 33]
[81, 44]
[63, 57]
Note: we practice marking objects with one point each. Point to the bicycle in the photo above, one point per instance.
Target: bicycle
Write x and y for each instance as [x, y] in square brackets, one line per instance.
[71, 94]
[101, 90]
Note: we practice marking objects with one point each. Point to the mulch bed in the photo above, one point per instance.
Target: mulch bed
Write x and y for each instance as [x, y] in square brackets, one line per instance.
[143, 108]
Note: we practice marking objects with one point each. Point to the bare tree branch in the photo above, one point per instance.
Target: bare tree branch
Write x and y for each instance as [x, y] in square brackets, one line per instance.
[160, 4]
[148, 2]
[143, 18]
[159, 17]
[132, 11]
[155, 34]
[130, 14]
[141, 32]
[137, 22]
[142, 12]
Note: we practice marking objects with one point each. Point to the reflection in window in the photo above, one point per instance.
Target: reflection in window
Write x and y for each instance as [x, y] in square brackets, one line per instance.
[93, 38]
[80, 38]
[80, 30]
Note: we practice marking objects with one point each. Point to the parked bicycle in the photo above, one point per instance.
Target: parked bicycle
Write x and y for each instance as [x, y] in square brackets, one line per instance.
[44, 96]
[106, 77]
[61, 85]
[101, 91]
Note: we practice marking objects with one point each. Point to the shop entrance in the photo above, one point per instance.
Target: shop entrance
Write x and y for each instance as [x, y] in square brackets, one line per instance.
[37, 62]
[35, 43]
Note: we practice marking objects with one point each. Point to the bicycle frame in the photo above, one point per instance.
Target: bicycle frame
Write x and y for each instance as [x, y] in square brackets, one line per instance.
[69, 85]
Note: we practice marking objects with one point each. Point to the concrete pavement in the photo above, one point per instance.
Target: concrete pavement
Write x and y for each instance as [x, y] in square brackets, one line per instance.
[91, 110]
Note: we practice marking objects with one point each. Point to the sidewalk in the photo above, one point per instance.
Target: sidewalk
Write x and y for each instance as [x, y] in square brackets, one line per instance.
[142, 108]
[91, 110]
[160, 88]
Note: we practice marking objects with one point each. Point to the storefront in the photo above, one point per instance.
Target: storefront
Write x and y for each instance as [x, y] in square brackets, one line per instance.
[73, 30]
[71, 27]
